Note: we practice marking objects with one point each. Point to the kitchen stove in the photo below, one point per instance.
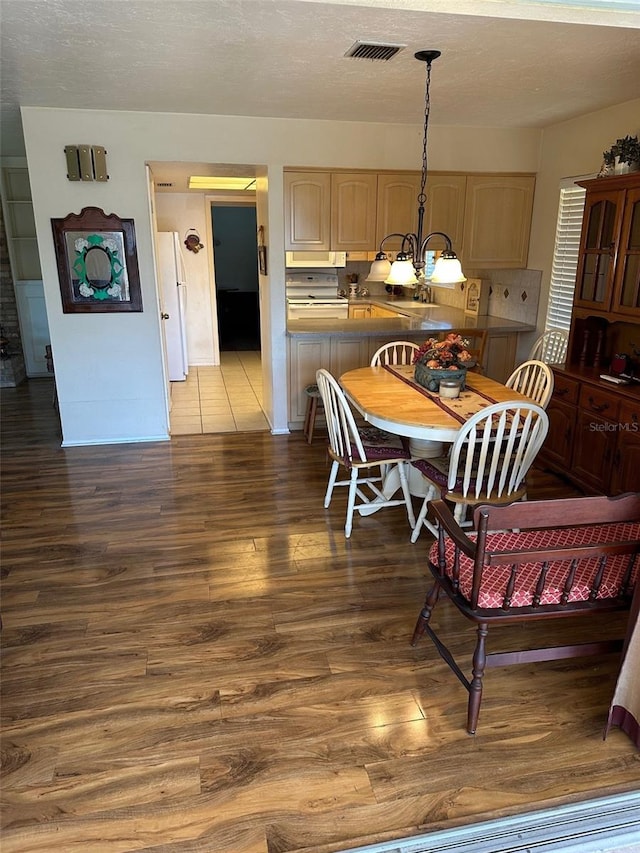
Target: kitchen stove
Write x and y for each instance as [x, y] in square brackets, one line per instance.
[315, 295]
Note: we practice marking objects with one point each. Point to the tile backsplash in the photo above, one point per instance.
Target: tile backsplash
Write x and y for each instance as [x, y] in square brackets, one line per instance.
[514, 294]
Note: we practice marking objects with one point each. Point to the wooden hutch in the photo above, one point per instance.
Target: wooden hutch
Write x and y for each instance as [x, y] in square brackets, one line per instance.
[594, 429]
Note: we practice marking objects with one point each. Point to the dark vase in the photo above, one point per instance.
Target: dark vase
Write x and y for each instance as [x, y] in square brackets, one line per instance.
[429, 377]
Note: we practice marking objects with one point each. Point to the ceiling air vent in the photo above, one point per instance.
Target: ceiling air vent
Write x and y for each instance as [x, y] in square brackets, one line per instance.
[164, 184]
[372, 50]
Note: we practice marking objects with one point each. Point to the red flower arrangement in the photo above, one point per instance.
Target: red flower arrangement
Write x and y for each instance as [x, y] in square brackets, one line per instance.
[449, 354]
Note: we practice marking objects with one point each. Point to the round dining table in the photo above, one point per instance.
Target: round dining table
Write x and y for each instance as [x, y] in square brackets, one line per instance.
[387, 397]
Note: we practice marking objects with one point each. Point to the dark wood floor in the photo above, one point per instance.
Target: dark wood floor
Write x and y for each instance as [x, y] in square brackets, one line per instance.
[194, 659]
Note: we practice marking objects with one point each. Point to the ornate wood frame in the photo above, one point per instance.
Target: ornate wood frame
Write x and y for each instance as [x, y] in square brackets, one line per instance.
[97, 262]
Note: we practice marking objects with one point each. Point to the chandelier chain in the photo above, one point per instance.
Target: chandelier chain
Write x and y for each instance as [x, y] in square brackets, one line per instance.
[427, 108]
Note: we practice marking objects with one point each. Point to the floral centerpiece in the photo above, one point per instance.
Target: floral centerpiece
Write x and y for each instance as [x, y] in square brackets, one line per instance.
[446, 359]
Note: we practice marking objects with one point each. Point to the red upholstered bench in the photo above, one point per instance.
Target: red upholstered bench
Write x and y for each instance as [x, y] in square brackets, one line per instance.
[552, 558]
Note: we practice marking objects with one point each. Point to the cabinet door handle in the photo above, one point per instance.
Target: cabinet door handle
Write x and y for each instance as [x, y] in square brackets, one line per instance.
[560, 392]
[616, 457]
[598, 407]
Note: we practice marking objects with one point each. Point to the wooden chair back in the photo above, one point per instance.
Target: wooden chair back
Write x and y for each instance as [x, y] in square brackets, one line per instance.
[396, 352]
[344, 438]
[477, 339]
[551, 347]
[494, 450]
[534, 379]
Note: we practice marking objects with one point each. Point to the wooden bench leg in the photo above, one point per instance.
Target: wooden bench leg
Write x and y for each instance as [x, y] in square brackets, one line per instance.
[425, 614]
[475, 688]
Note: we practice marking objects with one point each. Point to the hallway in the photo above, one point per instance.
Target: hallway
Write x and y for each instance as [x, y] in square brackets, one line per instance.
[227, 398]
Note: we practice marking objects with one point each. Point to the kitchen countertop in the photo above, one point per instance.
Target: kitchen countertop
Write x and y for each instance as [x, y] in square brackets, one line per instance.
[415, 318]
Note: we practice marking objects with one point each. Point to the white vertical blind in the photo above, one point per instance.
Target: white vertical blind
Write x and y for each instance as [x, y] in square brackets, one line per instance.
[565, 256]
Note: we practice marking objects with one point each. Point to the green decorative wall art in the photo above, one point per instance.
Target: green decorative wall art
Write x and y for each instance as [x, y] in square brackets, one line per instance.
[97, 262]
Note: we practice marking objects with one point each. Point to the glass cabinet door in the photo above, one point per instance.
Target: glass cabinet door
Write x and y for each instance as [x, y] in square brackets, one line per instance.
[626, 298]
[596, 266]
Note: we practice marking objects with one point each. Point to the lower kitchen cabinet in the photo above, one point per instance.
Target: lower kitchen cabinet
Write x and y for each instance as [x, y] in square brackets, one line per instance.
[594, 433]
[307, 355]
[500, 356]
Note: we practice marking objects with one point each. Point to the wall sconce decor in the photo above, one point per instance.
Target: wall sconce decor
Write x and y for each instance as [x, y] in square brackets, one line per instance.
[86, 162]
[192, 241]
[262, 252]
[97, 262]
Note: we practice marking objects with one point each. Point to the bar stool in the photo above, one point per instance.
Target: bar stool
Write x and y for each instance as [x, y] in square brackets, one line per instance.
[314, 401]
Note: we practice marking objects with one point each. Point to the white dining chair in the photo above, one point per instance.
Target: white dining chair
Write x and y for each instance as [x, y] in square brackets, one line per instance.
[396, 352]
[488, 461]
[360, 450]
[551, 347]
[533, 379]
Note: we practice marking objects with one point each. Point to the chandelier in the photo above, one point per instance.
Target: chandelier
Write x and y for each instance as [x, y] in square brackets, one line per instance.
[408, 269]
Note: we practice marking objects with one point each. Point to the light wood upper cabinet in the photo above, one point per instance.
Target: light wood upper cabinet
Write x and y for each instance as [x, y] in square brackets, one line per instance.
[307, 210]
[497, 221]
[397, 210]
[487, 217]
[353, 211]
[444, 210]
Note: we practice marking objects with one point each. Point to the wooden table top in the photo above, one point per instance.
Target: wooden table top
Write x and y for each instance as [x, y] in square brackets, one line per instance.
[392, 404]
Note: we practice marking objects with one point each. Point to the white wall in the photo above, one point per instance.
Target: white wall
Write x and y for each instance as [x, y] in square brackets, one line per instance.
[108, 367]
[571, 148]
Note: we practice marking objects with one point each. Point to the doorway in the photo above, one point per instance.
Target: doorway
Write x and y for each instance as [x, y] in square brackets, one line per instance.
[235, 253]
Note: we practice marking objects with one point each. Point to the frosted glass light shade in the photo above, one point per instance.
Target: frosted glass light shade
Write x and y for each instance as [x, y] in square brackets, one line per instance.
[447, 272]
[380, 270]
[402, 273]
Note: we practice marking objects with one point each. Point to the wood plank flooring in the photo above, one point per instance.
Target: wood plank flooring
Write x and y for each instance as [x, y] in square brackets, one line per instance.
[195, 659]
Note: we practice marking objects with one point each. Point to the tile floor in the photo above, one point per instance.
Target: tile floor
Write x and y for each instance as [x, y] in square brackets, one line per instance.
[220, 399]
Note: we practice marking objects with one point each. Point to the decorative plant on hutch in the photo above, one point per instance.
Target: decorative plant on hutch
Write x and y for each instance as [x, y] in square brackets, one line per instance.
[447, 359]
[623, 156]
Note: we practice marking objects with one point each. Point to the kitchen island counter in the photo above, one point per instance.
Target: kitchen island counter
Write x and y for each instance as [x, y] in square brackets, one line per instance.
[414, 319]
[341, 345]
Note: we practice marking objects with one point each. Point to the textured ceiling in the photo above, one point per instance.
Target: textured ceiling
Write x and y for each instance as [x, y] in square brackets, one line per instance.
[286, 58]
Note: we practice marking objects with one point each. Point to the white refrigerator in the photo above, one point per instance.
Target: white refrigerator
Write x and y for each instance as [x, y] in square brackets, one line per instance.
[173, 285]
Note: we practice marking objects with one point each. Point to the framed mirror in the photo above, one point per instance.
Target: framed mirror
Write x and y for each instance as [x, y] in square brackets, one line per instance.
[97, 262]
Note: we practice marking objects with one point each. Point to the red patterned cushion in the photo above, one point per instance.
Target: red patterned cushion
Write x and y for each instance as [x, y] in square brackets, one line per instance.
[380, 445]
[495, 578]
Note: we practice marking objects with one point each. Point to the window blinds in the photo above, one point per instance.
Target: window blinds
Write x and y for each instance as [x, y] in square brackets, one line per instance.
[565, 256]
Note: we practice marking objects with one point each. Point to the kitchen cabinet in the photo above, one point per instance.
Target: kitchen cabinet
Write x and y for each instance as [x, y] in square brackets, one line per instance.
[500, 355]
[379, 311]
[307, 211]
[359, 312]
[444, 210]
[487, 217]
[353, 211]
[307, 355]
[397, 207]
[497, 221]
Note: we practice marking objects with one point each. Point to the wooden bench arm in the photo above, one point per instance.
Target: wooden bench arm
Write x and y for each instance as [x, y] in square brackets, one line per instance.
[447, 522]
